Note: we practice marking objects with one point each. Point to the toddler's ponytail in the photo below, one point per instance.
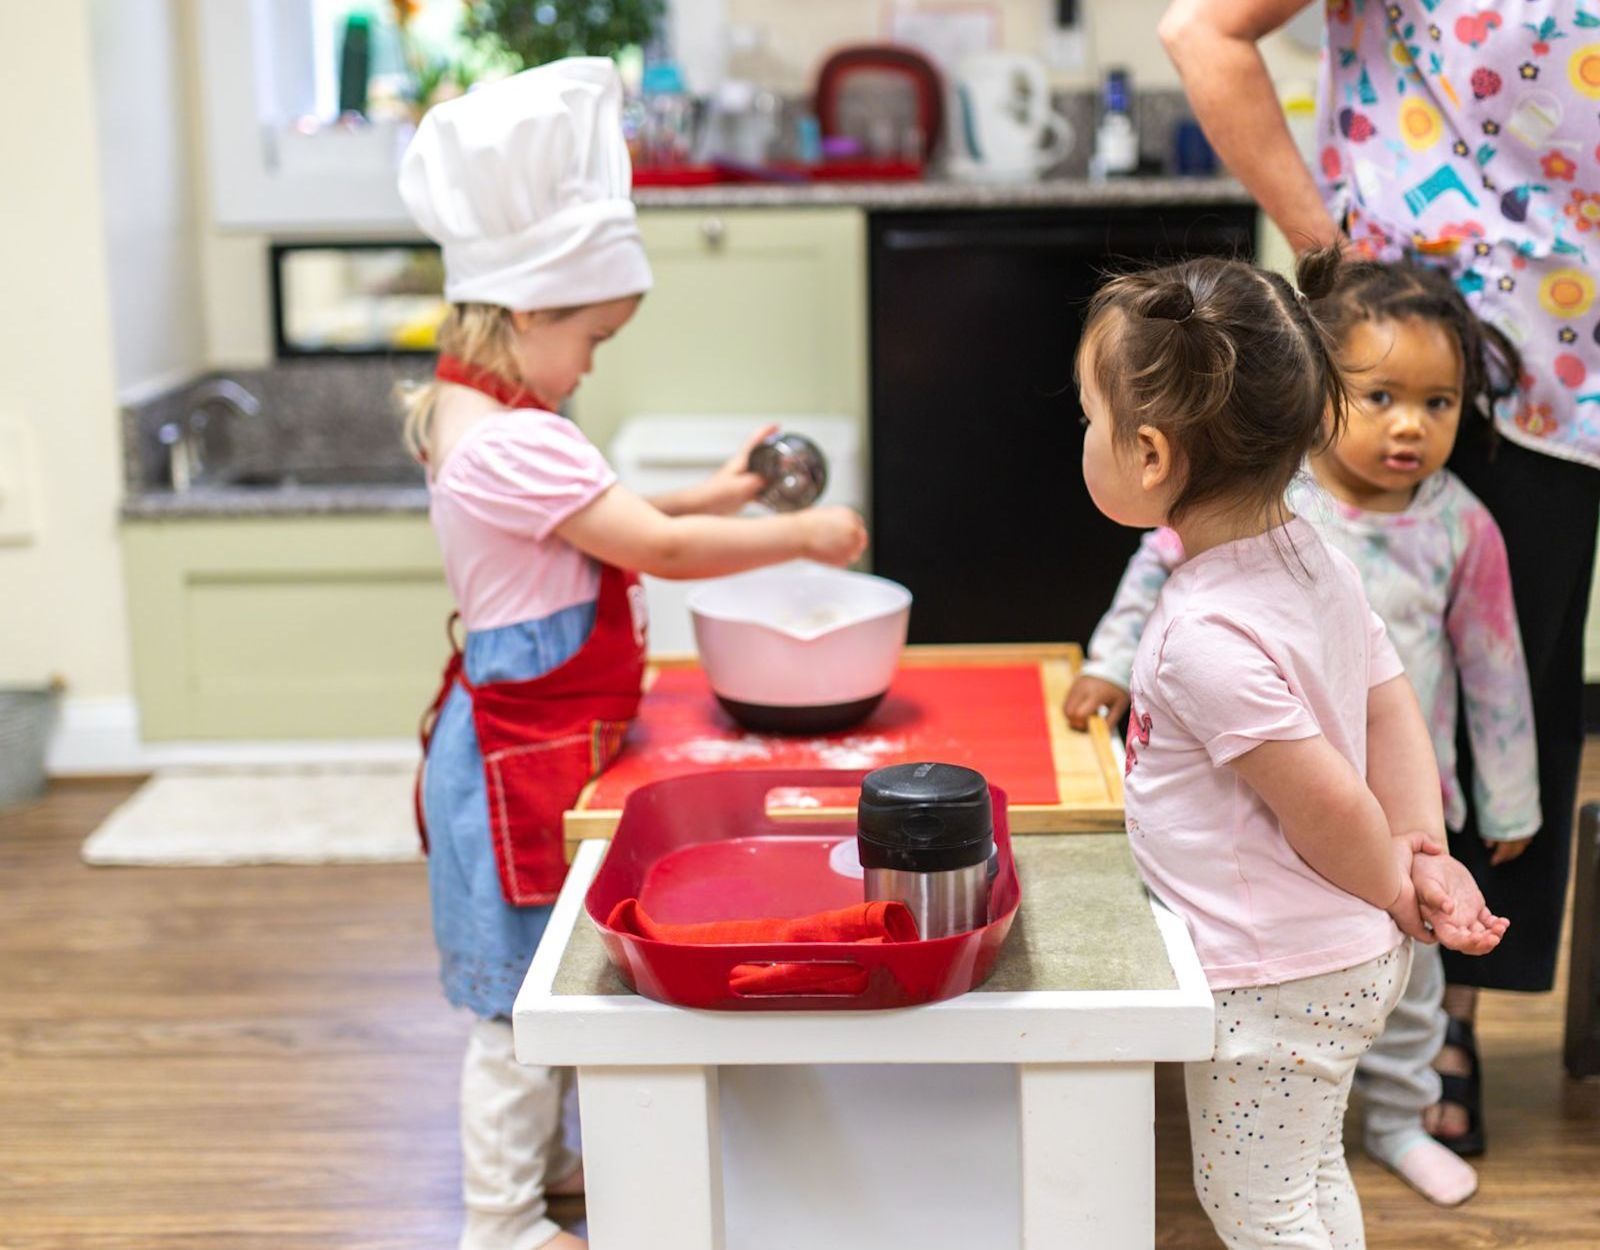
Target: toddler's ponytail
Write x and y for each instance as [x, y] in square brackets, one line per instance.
[1228, 362]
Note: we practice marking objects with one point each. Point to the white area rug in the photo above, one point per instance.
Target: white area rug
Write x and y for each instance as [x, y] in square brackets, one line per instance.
[263, 816]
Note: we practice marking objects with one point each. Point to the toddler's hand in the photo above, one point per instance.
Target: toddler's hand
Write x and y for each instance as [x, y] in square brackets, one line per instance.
[1450, 901]
[1088, 695]
[733, 485]
[1407, 916]
[1405, 911]
[831, 535]
[1505, 852]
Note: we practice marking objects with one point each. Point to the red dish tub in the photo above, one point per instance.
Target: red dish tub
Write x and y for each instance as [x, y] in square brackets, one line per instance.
[704, 848]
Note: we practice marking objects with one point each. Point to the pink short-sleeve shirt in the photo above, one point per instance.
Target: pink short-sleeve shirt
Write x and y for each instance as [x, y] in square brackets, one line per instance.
[495, 505]
[1266, 639]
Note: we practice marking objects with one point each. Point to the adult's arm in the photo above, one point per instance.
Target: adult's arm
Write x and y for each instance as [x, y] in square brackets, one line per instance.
[1213, 44]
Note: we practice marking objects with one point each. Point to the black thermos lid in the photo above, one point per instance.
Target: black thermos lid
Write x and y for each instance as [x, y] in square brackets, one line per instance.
[924, 818]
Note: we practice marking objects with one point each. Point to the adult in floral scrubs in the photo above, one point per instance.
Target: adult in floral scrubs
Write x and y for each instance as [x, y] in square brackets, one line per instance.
[1465, 133]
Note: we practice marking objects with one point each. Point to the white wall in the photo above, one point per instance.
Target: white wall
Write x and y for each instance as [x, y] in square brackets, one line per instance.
[62, 609]
[158, 329]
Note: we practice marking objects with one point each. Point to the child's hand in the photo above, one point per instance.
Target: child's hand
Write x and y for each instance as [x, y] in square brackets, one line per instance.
[1505, 852]
[1088, 695]
[733, 485]
[1452, 904]
[1407, 916]
[1406, 911]
[831, 535]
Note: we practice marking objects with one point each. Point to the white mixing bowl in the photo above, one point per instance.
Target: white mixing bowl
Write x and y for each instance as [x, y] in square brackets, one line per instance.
[800, 647]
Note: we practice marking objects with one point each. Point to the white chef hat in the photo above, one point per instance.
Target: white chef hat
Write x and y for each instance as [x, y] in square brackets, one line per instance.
[525, 186]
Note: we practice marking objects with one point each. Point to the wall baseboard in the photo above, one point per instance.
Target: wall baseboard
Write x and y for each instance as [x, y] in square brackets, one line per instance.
[99, 737]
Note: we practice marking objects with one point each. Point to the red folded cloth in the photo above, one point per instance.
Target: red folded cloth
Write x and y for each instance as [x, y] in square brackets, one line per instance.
[785, 980]
[882, 921]
[865, 924]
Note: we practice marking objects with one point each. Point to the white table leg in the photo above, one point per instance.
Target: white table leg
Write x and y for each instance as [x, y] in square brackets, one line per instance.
[1088, 1156]
[652, 1155]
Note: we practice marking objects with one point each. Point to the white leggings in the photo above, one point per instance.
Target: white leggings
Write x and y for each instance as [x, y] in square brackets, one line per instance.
[511, 1143]
[1266, 1112]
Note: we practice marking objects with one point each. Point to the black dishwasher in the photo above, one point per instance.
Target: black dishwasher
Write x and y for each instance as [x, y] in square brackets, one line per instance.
[978, 501]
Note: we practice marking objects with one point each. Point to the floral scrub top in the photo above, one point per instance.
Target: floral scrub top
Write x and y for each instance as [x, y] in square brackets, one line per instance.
[1436, 575]
[1468, 135]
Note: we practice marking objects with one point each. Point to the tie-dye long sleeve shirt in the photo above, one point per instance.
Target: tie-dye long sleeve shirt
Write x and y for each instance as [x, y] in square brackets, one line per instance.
[1436, 574]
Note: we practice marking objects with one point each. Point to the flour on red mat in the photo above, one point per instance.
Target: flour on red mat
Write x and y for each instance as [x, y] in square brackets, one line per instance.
[857, 751]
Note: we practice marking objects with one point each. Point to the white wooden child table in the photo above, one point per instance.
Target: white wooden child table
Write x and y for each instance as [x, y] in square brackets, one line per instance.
[1021, 1114]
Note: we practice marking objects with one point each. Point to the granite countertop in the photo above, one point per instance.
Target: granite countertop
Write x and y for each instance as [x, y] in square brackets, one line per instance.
[325, 442]
[246, 502]
[1084, 924]
[946, 194]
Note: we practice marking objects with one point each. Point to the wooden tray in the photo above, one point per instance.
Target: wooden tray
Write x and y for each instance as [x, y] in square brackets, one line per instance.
[1084, 767]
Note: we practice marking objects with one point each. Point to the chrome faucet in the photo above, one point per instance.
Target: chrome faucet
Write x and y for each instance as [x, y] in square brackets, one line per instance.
[184, 438]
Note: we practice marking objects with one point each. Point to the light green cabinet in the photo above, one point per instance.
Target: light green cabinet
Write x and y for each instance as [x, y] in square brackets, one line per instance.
[754, 311]
[288, 627]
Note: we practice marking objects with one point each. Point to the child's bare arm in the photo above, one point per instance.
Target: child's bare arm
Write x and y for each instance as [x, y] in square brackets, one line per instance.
[725, 491]
[1328, 814]
[1404, 775]
[622, 529]
[1402, 771]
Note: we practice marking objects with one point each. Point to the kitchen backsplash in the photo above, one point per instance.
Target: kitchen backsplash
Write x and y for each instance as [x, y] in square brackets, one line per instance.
[324, 414]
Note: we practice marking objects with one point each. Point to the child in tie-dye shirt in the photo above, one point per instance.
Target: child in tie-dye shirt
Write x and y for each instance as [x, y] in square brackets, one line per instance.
[1433, 565]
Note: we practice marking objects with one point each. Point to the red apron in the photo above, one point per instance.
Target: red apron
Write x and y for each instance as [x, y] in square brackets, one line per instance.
[546, 738]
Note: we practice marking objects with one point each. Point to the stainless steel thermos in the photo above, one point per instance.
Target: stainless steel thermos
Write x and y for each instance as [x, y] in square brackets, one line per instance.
[925, 835]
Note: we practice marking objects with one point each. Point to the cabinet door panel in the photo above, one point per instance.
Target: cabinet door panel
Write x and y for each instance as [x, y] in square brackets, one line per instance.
[292, 628]
[753, 312]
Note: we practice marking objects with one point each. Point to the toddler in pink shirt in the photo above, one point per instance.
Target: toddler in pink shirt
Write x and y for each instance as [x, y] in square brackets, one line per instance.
[1281, 789]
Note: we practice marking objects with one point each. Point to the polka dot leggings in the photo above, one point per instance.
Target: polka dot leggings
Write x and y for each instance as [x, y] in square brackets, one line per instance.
[1266, 1112]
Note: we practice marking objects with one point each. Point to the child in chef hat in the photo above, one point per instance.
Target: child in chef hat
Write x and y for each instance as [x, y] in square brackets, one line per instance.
[525, 186]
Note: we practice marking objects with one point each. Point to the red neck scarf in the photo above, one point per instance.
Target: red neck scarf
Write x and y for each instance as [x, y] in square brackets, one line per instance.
[502, 389]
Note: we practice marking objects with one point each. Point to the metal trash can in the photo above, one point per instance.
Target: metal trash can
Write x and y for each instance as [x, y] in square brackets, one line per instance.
[27, 714]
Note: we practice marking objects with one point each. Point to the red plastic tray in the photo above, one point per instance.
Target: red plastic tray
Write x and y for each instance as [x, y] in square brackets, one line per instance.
[676, 176]
[702, 848]
[852, 169]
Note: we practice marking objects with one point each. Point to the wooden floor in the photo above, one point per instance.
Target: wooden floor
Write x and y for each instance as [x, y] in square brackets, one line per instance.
[255, 1058]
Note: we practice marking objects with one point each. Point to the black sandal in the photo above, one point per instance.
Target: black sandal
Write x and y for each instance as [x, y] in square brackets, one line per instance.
[1465, 1091]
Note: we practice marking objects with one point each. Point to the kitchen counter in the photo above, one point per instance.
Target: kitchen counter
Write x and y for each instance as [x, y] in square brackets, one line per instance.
[285, 501]
[946, 194]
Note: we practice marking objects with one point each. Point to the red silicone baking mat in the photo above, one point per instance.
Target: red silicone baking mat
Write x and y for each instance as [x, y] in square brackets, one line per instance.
[987, 717]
